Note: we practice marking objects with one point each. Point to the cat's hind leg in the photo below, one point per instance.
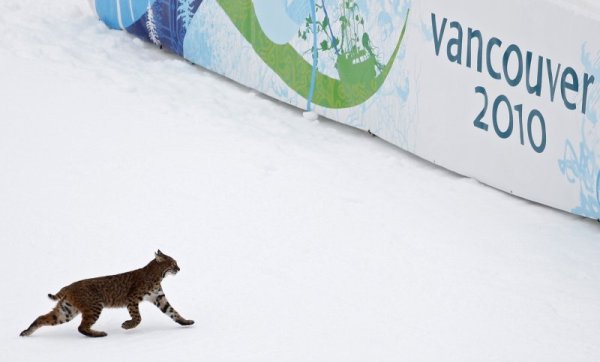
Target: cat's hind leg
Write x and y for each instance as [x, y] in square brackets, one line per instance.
[63, 312]
[134, 313]
[89, 316]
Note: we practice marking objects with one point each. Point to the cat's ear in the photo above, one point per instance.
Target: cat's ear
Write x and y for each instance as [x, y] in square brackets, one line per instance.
[159, 256]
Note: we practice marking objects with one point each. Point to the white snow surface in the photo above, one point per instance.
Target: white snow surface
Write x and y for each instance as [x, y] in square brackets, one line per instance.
[297, 240]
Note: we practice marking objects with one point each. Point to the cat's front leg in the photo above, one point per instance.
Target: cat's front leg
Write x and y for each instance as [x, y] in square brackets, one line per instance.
[158, 298]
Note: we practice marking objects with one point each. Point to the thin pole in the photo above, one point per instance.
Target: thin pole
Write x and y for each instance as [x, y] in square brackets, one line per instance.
[315, 56]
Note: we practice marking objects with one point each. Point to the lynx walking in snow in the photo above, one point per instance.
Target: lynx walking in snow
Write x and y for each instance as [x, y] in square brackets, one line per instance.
[89, 296]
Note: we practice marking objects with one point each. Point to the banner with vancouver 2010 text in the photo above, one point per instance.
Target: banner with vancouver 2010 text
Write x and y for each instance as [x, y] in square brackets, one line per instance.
[507, 92]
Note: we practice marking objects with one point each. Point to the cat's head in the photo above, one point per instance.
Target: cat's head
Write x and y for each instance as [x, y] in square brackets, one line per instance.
[167, 264]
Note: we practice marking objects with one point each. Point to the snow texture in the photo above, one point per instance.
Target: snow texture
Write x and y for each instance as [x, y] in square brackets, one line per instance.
[298, 240]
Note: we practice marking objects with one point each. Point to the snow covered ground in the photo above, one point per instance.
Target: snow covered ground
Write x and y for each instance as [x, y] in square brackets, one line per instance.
[297, 240]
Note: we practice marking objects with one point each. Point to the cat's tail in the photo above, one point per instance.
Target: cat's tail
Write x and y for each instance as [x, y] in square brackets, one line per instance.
[60, 295]
[53, 297]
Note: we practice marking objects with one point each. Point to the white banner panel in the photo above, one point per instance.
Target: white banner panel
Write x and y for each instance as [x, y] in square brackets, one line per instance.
[506, 92]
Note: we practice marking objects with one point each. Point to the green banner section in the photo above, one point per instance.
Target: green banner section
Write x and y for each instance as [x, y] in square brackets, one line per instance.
[295, 71]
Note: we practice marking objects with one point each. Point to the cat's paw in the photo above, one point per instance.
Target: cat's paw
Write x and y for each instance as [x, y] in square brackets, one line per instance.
[185, 322]
[129, 324]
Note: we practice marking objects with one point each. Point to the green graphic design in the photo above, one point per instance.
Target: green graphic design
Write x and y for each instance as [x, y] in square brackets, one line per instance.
[295, 71]
[356, 61]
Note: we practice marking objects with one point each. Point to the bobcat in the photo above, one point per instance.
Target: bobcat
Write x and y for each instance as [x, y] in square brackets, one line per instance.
[89, 296]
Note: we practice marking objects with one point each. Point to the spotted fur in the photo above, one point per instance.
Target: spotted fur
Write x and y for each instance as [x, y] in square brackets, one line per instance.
[90, 296]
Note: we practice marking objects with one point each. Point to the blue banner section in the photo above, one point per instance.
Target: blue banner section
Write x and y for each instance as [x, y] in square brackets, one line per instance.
[165, 22]
[120, 14]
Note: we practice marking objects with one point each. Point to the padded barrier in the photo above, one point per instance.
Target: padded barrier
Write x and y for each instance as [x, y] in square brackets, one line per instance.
[506, 92]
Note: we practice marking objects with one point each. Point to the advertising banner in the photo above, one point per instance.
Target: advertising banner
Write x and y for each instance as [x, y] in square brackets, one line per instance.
[506, 92]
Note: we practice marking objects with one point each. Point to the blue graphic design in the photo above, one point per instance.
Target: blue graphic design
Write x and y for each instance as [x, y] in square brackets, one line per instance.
[163, 26]
[120, 14]
[279, 20]
[581, 166]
